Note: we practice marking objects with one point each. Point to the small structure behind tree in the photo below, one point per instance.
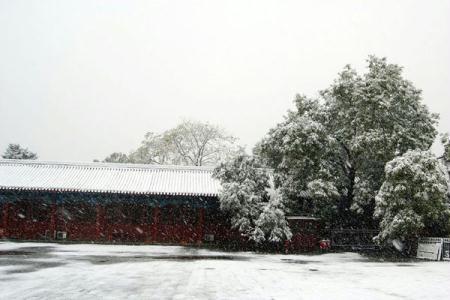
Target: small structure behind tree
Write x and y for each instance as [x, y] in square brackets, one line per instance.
[306, 233]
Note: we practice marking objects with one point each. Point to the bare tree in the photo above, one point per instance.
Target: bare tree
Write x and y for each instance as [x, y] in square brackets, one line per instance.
[189, 143]
[154, 149]
[201, 144]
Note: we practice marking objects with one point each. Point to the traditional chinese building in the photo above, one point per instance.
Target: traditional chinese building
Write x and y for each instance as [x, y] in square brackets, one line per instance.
[109, 202]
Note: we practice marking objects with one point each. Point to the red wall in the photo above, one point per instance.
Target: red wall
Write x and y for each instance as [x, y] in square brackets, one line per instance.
[18, 223]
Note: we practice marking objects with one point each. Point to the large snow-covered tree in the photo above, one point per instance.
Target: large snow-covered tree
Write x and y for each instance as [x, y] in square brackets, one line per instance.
[329, 154]
[256, 209]
[413, 198]
[189, 143]
[15, 151]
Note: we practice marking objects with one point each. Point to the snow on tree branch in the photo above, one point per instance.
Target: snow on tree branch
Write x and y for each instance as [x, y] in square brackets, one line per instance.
[256, 209]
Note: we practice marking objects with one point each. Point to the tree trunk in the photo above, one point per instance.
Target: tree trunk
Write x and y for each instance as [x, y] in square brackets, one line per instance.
[345, 218]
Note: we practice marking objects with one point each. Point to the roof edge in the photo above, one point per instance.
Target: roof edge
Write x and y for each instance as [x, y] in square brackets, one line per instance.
[117, 192]
[104, 165]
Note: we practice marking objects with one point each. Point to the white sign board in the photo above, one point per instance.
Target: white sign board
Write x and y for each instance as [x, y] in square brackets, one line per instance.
[429, 248]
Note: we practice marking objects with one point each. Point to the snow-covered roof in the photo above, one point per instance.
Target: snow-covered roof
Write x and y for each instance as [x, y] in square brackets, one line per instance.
[107, 178]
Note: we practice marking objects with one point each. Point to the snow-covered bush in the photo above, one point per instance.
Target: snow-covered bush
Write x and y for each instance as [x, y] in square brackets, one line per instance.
[412, 199]
[256, 210]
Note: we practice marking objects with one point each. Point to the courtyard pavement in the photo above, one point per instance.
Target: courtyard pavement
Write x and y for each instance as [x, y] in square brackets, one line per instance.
[90, 271]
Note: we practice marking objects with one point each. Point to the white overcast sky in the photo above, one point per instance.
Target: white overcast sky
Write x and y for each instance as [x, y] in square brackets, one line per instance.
[81, 79]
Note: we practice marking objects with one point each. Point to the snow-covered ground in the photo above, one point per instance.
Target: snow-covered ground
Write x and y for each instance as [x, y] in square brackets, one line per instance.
[85, 271]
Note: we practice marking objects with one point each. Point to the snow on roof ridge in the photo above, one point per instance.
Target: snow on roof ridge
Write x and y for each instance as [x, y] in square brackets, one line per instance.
[105, 165]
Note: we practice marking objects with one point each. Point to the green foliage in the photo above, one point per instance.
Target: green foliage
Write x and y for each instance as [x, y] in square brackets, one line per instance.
[15, 151]
[412, 199]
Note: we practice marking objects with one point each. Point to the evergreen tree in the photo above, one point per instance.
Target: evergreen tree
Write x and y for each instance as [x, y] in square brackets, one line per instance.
[15, 151]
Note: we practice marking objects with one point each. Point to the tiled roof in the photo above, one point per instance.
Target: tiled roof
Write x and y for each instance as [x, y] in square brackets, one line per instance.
[107, 178]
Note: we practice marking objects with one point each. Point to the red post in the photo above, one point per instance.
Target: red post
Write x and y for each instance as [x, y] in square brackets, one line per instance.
[155, 225]
[100, 221]
[5, 213]
[53, 218]
[144, 223]
[200, 225]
